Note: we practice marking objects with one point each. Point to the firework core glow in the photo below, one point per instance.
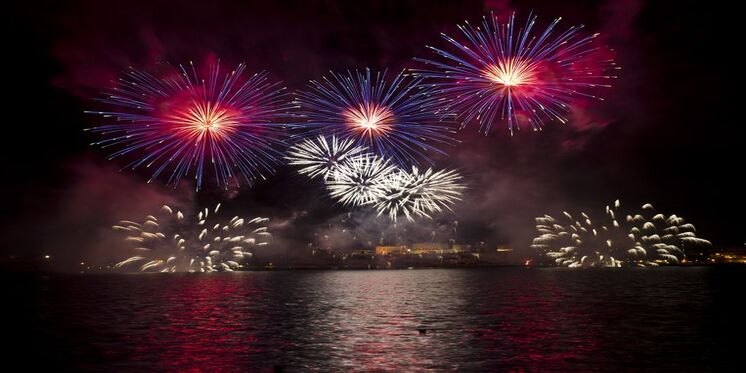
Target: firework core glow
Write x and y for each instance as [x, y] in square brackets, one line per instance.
[370, 119]
[511, 74]
[208, 119]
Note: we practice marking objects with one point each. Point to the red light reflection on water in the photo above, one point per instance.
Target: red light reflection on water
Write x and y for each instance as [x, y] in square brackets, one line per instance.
[536, 329]
[208, 325]
[381, 320]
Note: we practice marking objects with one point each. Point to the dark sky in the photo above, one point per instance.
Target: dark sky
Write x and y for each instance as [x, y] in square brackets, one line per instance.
[669, 132]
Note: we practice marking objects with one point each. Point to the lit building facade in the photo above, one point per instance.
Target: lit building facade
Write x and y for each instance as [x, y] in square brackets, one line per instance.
[391, 250]
[429, 248]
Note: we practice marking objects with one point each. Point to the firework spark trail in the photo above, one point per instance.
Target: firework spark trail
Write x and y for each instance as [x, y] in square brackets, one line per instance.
[176, 244]
[361, 181]
[420, 194]
[179, 123]
[515, 75]
[396, 119]
[637, 241]
[320, 156]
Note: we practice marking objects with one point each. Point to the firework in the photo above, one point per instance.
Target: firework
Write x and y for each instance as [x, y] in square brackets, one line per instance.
[395, 119]
[581, 243]
[660, 239]
[361, 181]
[514, 73]
[207, 243]
[321, 157]
[636, 241]
[419, 193]
[182, 124]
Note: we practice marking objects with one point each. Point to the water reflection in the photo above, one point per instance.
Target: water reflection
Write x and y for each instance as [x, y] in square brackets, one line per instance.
[207, 323]
[517, 319]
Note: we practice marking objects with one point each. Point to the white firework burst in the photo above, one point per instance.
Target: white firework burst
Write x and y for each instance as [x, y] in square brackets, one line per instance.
[361, 181]
[321, 156]
[420, 194]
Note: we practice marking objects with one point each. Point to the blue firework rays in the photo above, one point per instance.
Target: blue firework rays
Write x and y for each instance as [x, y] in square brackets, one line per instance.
[515, 73]
[398, 119]
[181, 123]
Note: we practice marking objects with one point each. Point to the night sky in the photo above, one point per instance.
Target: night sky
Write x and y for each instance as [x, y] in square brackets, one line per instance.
[669, 132]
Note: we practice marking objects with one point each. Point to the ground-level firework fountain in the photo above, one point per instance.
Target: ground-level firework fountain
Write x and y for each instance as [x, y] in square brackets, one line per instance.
[205, 243]
[638, 240]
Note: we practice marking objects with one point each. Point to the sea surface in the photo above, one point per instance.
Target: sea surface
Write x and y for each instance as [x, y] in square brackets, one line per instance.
[498, 319]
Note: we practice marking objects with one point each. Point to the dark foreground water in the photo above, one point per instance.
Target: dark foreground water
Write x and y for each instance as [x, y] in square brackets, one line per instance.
[473, 319]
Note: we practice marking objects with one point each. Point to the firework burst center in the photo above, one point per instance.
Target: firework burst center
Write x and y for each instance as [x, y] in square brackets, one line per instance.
[510, 73]
[370, 118]
[208, 118]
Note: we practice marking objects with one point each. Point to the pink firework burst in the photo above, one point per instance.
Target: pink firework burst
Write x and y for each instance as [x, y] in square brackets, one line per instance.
[182, 123]
[515, 74]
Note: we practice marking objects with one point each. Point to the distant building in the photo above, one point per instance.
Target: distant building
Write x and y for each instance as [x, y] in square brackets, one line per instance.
[460, 248]
[503, 255]
[429, 248]
[363, 253]
[697, 254]
[500, 255]
[503, 249]
[391, 250]
[479, 247]
[735, 255]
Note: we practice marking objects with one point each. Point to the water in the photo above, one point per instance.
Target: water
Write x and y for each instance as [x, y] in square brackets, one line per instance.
[439, 319]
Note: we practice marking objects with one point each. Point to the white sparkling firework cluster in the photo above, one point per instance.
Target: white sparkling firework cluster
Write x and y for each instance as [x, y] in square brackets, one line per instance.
[173, 243]
[644, 239]
[357, 178]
